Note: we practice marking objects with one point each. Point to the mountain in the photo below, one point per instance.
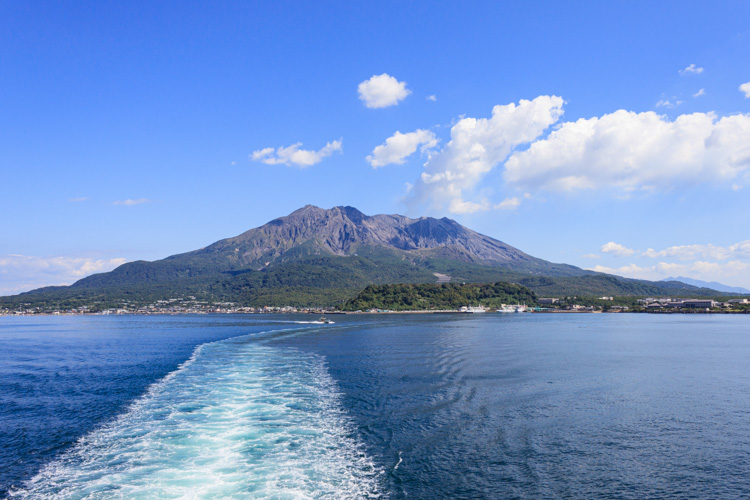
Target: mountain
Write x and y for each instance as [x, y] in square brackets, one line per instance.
[313, 232]
[710, 284]
[325, 257]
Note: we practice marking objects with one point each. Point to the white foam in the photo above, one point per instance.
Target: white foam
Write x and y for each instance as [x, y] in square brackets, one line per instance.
[238, 419]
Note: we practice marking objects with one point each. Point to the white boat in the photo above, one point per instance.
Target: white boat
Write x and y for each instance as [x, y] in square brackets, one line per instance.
[325, 320]
[506, 308]
[472, 309]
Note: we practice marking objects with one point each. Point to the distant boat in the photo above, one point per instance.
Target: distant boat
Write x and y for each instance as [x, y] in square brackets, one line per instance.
[505, 308]
[325, 320]
[473, 309]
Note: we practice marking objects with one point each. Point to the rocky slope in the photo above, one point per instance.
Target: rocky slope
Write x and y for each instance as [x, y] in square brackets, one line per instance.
[312, 232]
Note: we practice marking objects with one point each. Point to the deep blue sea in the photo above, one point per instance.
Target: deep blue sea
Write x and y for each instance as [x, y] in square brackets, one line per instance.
[391, 406]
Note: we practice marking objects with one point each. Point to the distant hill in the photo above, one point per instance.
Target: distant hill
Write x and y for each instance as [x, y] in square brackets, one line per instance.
[325, 257]
[710, 284]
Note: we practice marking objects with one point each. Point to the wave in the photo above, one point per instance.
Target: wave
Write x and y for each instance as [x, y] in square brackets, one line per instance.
[239, 418]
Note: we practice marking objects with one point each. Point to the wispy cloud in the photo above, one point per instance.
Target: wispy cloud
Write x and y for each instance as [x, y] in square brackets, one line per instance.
[382, 91]
[293, 155]
[130, 202]
[739, 250]
[432, 98]
[508, 204]
[663, 103]
[691, 70]
[700, 93]
[78, 200]
[733, 273]
[20, 273]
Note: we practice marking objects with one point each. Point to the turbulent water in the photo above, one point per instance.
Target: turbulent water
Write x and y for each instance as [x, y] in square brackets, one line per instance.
[437, 406]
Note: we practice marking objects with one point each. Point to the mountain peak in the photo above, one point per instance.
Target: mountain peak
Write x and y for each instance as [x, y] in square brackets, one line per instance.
[341, 230]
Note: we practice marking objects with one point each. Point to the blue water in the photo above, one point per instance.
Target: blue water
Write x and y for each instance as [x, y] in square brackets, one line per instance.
[406, 406]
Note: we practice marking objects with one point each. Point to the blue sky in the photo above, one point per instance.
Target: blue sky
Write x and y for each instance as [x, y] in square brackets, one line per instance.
[610, 135]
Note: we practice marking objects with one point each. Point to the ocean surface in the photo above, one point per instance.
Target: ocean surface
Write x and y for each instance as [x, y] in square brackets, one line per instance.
[390, 406]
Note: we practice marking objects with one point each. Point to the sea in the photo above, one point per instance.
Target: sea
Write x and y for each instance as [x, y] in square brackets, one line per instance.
[406, 406]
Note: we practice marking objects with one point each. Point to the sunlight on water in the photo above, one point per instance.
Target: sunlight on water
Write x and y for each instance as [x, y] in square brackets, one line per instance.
[238, 419]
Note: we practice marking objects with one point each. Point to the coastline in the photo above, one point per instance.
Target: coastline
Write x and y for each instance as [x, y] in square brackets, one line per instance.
[359, 313]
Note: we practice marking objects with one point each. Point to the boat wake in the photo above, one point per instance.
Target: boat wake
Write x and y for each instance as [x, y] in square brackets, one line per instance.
[238, 419]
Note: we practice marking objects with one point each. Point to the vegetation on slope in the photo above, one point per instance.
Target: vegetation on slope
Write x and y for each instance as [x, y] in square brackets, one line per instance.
[407, 297]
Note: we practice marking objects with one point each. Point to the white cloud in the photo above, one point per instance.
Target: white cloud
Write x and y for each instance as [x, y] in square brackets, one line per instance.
[130, 203]
[459, 206]
[745, 88]
[293, 155]
[399, 146]
[732, 273]
[382, 91]
[21, 273]
[592, 256]
[508, 204]
[739, 250]
[700, 93]
[432, 98]
[662, 103]
[691, 70]
[635, 151]
[476, 147]
[617, 249]
[736, 187]
[629, 271]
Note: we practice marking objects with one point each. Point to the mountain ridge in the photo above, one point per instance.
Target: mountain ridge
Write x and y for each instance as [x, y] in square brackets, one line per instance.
[340, 231]
[316, 256]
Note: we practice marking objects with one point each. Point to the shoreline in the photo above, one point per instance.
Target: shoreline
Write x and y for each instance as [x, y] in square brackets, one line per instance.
[355, 313]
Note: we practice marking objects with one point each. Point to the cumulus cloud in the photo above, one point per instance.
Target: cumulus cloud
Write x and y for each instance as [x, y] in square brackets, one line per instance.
[617, 249]
[400, 146]
[130, 203]
[635, 151]
[629, 271]
[739, 250]
[382, 91]
[476, 147]
[691, 70]
[293, 155]
[20, 273]
[745, 89]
